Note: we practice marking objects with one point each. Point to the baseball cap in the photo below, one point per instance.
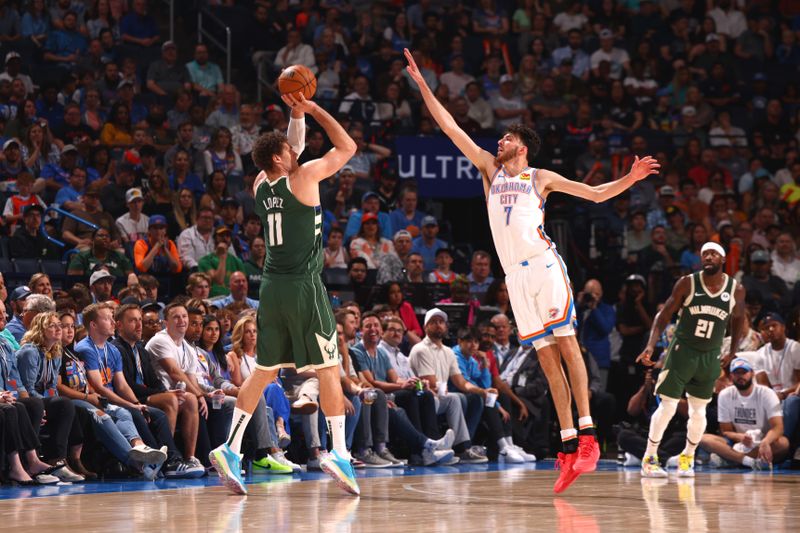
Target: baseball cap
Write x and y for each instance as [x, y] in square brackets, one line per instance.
[689, 111]
[666, 190]
[429, 221]
[133, 194]
[506, 78]
[741, 364]
[69, 148]
[272, 107]
[12, 55]
[222, 228]
[20, 293]
[606, 34]
[402, 233]
[434, 313]
[712, 37]
[130, 300]
[151, 304]
[773, 317]
[100, 274]
[369, 216]
[10, 142]
[124, 83]
[168, 44]
[633, 278]
[759, 256]
[33, 207]
[369, 194]
[722, 223]
[229, 200]
[157, 220]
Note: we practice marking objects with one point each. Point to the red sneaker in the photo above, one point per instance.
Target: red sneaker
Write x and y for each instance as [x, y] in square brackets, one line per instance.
[588, 454]
[565, 463]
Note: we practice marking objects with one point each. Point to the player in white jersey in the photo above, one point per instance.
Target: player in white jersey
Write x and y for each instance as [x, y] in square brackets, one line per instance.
[537, 279]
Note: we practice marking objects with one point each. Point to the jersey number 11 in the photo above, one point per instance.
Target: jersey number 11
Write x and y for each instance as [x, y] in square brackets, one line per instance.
[275, 229]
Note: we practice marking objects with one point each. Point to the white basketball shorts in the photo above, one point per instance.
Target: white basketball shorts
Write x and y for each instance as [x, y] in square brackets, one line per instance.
[541, 297]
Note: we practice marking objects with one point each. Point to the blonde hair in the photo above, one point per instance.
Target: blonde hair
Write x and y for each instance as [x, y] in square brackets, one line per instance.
[35, 335]
[36, 278]
[238, 334]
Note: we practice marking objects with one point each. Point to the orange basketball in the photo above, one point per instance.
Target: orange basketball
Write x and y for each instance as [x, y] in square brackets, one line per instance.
[298, 79]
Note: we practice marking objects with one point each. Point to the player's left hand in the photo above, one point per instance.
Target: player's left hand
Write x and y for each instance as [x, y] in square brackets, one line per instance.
[644, 167]
[298, 102]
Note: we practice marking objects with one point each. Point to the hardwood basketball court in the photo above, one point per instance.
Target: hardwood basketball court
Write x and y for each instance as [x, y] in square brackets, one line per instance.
[480, 498]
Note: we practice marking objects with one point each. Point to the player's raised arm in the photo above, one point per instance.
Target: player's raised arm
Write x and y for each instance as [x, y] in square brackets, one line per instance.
[641, 168]
[479, 157]
[296, 133]
[679, 293]
[343, 146]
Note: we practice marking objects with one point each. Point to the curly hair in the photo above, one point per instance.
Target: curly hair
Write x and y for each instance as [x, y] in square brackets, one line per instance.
[267, 146]
[238, 334]
[35, 334]
[528, 137]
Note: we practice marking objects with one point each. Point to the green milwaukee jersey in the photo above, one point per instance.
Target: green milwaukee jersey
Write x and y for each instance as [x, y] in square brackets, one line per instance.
[704, 317]
[292, 230]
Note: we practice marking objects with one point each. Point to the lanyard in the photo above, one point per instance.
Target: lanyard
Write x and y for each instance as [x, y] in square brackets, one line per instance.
[104, 362]
[783, 354]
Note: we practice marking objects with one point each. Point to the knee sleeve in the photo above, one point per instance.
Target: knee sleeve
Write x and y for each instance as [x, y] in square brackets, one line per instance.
[668, 406]
[544, 342]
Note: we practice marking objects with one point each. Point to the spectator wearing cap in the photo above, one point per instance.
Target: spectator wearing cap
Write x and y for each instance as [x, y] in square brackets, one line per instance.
[508, 106]
[369, 243]
[774, 293]
[114, 195]
[392, 268]
[407, 216]
[666, 199]
[15, 326]
[79, 234]
[205, 76]
[785, 263]
[370, 203]
[573, 51]
[16, 204]
[367, 154]
[133, 225]
[70, 197]
[456, 79]
[197, 241]
[101, 255]
[66, 44]
[751, 426]
[618, 58]
[341, 199]
[12, 164]
[101, 285]
[427, 244]
[28, 241]
[157, 254]
[166, 76]
[221, 263]
[237, 287]
[13, 72]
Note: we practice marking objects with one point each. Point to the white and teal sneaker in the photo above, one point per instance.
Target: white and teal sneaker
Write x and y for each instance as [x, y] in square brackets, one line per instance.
[341, 471]
[229, 468]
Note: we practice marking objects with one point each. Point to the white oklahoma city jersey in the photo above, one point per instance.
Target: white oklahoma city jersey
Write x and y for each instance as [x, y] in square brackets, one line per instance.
[516, 216]
[537, 280]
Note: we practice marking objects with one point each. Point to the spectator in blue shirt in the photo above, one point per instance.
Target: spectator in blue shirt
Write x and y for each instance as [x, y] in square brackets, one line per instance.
[480, 276]
[69, 196]
[206, 77]
[138, 28]
[370, 203]
[596, 321]
[65, 46]
[427, 244]
[407, 216]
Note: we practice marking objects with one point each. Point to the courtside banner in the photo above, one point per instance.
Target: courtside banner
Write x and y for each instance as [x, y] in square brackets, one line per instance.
[440, 169]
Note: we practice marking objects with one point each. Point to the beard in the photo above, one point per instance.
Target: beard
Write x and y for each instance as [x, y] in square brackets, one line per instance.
[506, 156]
[710, 270]
[743, 386]
[435, 335]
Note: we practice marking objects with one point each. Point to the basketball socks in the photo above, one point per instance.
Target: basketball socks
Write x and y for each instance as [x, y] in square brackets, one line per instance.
[240, 421]
[748, 461]
[502, 444]
[569, 440]
[658, 424]
[336, 427]
[586, 426]
[690, 447]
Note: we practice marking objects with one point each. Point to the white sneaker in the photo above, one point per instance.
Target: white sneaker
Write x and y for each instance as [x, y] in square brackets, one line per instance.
[431, 457]
[631, 460]
[146, 455]
[280, 457]
[529, 457]
[715, 461]
[672, 462]
[652, 468]
[510, 456]
[446, 442]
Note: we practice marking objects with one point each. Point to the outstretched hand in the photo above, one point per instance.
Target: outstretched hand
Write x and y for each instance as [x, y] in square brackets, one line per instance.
[412, 68]
[298, 102]
[644, 167]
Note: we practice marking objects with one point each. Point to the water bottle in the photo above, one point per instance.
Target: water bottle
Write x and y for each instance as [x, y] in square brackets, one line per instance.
[180, 386]
[419, 387]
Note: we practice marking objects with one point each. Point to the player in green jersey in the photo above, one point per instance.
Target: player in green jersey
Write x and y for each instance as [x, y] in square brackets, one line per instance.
[705, 302]
[296, 327]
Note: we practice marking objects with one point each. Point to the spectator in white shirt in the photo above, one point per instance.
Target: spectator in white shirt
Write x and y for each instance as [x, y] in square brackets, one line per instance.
[246, 132]
[728, 21]
[571, 19]
[296, 52]
[197, 241]
[455, 78]
[617, 57]
[479, 109]
[750, 417]
[508, 107]
[133, 225]
[785, 263]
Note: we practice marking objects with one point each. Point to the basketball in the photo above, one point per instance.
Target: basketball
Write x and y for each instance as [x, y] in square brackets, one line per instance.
[298, 79]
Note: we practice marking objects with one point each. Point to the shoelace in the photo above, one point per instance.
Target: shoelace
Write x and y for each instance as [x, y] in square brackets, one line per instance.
[585, 451]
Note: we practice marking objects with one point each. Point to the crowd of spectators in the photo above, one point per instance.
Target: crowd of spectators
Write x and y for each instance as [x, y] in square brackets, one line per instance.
[143, 146]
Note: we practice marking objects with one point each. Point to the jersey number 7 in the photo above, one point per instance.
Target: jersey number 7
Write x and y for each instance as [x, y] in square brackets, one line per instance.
[508, 209]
